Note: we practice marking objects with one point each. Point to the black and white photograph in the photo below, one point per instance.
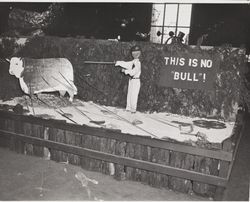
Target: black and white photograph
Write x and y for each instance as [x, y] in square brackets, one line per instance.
[125, 101]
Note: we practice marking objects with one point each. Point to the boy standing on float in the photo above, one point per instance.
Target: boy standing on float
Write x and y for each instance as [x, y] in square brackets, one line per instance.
[133, 69]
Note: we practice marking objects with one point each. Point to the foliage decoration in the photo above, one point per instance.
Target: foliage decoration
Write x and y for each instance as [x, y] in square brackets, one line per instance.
[105, 84]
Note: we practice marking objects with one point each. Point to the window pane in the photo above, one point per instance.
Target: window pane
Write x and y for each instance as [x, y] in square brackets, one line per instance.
[186, 32]
[166, 33]
[153, 35]
[170, 22]
[171, 14]
[184, 14]
[157, 14]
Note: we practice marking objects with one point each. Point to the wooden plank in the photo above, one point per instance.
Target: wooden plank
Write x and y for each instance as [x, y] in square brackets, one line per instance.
[223, 170]
[108, 146]
[146, 176]
[4, 141]
[143, 152]
[130, 152]
[10, 126]
[38, 131]
[114, 134]
[137, 155]
[120, 168]
[62, 155]
[178, 160]
[111, 149]
[78, 140]
[46, 151]
[104, 148]
[85, 161]
[70, 139]
[52, 137]
[206, 166]
[160, 156]
[218, 154]
[168, 170]
[19, 145]
[2, 123]
[236, 145]
[96, 145]
[57, 135]
[28, 148]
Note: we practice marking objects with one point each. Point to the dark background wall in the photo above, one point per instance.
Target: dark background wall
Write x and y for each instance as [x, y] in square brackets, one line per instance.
[98, 20]
[224, 23]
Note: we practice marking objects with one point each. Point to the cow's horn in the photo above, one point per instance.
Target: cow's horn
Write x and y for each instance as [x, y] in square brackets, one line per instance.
[7, 60]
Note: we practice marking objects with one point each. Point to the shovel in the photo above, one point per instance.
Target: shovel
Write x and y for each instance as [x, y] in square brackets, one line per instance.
[184, 128]
[90, 120]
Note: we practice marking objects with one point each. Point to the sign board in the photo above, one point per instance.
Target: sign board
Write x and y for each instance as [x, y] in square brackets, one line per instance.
[189, 70]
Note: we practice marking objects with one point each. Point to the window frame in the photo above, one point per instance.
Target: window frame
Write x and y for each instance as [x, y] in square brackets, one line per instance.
[176, 27]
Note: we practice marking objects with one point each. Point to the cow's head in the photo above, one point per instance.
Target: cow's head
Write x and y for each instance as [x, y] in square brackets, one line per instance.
[16, 66]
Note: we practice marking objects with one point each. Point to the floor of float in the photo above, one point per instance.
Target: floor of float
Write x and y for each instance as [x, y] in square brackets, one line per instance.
[156, 125]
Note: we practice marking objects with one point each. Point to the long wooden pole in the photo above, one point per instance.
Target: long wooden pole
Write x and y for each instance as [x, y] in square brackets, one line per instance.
[99, 62]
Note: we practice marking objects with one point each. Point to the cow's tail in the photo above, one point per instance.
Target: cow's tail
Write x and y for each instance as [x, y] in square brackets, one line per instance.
[73, 87]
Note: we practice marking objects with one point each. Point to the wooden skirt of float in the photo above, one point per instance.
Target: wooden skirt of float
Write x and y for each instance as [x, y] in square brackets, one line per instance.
[158, 163]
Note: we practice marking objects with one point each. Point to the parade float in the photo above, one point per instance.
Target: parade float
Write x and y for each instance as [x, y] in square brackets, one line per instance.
[183, 137]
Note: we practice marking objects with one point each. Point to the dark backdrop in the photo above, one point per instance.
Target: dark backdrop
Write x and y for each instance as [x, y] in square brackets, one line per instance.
[98, 20]
[224, 23]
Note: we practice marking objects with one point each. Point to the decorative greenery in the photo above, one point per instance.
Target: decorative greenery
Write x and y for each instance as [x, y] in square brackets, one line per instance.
[24, 22]
[106, 85]
[7, 47]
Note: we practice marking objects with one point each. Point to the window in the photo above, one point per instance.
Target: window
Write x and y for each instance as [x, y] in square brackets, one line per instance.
[169, 17]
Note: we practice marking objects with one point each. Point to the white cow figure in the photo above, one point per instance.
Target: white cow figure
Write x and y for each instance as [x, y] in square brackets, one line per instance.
[44, 75]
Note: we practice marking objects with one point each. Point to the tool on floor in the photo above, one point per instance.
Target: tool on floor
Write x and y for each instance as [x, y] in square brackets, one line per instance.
[90, 120]
[209, 124]
[185, 128]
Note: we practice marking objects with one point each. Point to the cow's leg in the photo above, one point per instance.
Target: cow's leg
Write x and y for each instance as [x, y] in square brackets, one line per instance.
[62, 92]
[24, 86]
[71, 96]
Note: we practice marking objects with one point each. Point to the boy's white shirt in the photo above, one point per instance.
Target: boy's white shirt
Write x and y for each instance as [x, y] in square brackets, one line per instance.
[135, 72]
